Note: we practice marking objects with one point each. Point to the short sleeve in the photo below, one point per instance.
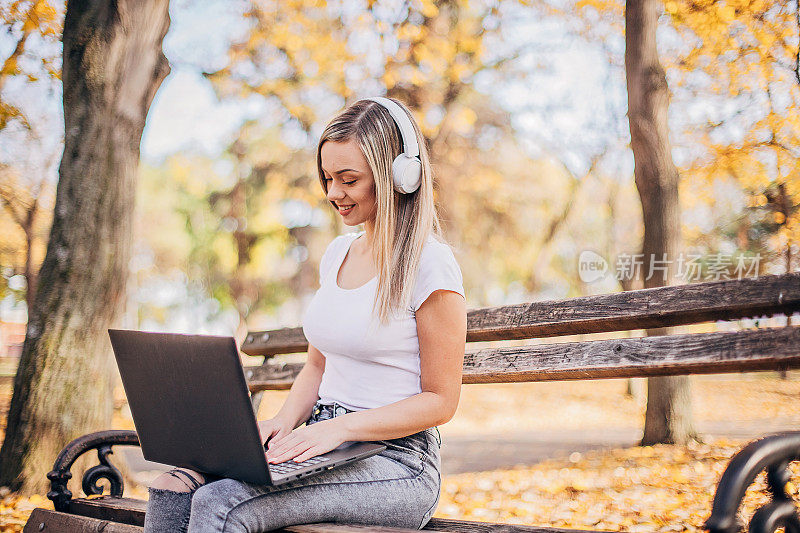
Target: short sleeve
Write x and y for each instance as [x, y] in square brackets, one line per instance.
[438, 269]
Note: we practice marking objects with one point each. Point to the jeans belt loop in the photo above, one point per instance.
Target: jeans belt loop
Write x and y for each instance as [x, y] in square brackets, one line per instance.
[439, 438]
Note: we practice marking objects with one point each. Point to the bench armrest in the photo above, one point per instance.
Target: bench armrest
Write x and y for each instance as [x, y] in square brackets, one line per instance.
[102, 441]
[773, 453]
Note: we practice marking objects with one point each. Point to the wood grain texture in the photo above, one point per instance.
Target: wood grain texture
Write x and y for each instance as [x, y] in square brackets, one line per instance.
[700, 353]
[272, 376]
[55, 522]
[667, 355]
[641, 309]
[457, 526]
[124, 510]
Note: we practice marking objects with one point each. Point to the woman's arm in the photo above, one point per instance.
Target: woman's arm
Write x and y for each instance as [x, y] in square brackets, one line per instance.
[442, 332]
[305, 390]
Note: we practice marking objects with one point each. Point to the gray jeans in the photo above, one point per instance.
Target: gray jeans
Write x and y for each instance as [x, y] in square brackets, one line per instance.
[398, 487]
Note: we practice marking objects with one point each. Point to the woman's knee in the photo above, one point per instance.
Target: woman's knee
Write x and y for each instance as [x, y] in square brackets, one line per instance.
[214, 498]
[178, 480]
[212, 503]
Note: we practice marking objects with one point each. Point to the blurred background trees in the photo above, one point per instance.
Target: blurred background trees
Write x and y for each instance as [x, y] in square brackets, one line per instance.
[31, 66]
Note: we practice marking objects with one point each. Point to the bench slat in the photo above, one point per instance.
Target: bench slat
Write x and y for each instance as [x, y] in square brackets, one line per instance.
[460, 526]
[640, 309]
[271, 376]
[55, 522]
[435, 524]
[693, 353]
[130, 512]
[125, 510]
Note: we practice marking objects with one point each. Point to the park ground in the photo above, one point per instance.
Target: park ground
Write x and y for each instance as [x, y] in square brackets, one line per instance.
[565, 454]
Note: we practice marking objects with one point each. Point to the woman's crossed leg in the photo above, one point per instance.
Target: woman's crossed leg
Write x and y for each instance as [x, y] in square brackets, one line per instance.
[398, 487]
[375, 491]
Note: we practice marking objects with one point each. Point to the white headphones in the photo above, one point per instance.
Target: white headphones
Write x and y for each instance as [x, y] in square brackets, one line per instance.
[406, 167]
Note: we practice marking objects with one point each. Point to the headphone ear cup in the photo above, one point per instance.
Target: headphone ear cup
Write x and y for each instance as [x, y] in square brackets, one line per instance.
[407, 173]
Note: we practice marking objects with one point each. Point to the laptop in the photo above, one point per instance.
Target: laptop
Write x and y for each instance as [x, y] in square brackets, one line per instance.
[191, 408]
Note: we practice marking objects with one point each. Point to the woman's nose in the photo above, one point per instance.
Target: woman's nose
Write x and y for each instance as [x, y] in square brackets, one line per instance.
[334, 192]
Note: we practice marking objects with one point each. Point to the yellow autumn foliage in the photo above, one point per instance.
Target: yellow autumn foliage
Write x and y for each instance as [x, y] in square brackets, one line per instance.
[736, 59]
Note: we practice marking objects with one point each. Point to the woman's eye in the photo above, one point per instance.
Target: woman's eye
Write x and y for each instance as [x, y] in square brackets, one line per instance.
[344, 182]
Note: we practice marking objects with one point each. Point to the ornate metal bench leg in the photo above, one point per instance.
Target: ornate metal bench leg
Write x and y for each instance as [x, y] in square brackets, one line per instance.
[773, 453]
[102, 441]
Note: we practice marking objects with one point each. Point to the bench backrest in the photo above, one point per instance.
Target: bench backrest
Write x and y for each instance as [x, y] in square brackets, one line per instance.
[775, 348]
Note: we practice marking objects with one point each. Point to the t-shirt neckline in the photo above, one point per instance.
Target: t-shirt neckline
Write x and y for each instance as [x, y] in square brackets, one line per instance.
[341, 262]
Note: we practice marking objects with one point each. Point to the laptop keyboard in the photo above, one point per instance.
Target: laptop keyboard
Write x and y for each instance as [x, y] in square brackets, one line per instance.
[290, 465]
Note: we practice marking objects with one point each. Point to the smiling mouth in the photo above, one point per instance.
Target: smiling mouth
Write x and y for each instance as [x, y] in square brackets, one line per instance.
[345, 209]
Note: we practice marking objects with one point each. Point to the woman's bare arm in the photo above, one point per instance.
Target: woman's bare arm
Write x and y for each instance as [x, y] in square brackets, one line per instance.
[305, 390]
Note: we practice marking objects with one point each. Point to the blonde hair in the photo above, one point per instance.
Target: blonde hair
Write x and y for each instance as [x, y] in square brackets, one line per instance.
[403, 222]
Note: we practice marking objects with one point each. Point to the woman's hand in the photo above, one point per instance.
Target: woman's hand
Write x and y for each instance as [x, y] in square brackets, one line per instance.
[307, 441]
[273, 428]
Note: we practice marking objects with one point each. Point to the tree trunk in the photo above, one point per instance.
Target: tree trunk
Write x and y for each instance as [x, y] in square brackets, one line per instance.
[112, 66]
[669, 416]
[30, 272]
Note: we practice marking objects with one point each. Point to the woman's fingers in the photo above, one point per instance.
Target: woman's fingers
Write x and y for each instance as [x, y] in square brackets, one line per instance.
[282, 444]
[290, 453]
[308, 454]
[301, 444]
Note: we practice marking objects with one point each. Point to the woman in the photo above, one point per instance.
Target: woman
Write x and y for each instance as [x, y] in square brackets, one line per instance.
[386, 332]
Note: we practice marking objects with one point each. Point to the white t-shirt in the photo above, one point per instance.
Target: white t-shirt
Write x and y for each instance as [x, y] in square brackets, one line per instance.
[367, 364]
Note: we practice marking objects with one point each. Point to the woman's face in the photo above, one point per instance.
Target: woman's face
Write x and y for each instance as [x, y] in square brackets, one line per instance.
[350, 181]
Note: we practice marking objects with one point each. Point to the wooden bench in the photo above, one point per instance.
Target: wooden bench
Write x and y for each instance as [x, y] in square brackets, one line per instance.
[773, 348]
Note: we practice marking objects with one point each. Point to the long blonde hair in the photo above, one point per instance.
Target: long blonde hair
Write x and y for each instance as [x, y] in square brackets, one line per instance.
[403, 222]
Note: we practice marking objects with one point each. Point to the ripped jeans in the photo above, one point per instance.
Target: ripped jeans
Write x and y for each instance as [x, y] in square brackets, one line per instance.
[398, 487]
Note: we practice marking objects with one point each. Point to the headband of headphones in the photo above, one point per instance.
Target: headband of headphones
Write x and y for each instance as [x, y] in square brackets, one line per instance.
[410, 146]
[406, 167]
